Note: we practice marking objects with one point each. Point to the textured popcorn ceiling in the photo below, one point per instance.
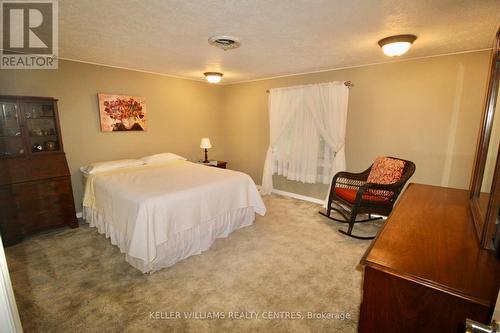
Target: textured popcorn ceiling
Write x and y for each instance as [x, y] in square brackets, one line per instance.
[279, 37]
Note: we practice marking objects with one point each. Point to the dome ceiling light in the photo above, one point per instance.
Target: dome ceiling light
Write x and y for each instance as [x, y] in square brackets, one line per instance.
[396, 45]
[213, 77]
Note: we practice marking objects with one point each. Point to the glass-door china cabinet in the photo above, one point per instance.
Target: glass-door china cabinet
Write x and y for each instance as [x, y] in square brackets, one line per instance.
[28, 127]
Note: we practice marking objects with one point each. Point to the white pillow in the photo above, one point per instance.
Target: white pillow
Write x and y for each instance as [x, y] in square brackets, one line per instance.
[109, 165]
[161, 158]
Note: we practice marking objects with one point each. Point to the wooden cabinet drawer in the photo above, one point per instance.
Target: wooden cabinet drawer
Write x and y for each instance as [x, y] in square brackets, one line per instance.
[36, 190]
[26, 208]
[41, 220]
[7, 204]
[55, 209]
[43, 203]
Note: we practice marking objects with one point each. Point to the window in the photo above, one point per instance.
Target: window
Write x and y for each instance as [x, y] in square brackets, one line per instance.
[301, 154]
[307, 133]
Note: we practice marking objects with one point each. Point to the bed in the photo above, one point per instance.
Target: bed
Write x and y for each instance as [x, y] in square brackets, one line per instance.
[160, 214]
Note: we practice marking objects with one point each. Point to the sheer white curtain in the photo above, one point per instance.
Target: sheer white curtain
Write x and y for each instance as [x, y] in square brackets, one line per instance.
[307, 133]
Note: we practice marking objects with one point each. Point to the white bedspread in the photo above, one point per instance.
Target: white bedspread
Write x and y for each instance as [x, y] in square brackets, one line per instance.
[149, 205]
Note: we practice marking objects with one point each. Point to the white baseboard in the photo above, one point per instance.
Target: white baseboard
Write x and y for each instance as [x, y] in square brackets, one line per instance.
[299, 196]
[296, 196]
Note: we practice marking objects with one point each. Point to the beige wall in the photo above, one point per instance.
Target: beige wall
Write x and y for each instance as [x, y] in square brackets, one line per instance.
[425, 110]
[180, 112]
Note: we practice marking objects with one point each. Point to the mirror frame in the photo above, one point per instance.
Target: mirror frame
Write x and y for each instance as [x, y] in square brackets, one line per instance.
[484, 220]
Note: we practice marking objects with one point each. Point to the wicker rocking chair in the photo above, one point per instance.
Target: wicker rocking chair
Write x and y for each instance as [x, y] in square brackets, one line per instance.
[351, 194]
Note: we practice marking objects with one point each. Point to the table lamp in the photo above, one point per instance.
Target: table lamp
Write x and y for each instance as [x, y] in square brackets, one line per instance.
[205, 144]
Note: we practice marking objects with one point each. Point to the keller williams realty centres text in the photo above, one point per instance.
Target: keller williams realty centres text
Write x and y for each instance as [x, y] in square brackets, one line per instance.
[248, 315]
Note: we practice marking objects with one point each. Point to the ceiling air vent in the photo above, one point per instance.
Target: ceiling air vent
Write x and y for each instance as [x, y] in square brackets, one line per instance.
[224, 42]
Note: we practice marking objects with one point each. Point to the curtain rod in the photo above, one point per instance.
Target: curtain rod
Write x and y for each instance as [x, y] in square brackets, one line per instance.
[348, 84]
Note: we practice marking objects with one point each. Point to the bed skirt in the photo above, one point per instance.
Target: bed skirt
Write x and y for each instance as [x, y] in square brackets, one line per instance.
[179, 246]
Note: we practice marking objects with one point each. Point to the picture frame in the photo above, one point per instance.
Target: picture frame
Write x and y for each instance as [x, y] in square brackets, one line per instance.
[120, 113]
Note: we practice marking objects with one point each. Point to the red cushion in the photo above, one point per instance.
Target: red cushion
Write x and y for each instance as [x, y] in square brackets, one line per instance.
[350, 195]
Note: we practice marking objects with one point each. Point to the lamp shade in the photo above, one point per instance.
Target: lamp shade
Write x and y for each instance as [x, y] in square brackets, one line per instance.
[205, 143]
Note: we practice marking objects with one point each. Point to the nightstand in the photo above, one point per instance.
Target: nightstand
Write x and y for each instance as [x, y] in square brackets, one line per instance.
[220, 164]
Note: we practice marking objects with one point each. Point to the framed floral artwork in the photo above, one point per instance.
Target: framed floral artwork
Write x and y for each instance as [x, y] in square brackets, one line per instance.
[122, 113]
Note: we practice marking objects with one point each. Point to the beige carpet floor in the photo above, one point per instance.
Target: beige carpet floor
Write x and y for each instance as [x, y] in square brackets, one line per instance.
[289, 263]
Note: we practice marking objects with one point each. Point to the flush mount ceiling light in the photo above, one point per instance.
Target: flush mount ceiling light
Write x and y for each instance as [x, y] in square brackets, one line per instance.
[396, 45]
[224, 42]
[213, 77]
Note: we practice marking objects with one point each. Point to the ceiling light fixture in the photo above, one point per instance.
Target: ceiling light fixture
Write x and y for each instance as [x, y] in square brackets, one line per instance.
[213, 77]
[396, 45]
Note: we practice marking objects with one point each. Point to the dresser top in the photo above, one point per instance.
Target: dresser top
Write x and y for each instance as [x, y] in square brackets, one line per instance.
[430, 239]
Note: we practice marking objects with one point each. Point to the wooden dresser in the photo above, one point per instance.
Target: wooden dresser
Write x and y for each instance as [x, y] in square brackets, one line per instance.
[426, 271]
[35, 183]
